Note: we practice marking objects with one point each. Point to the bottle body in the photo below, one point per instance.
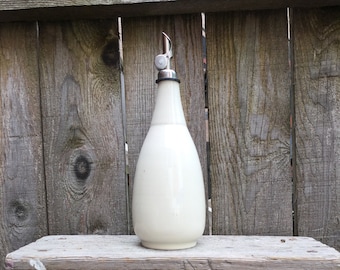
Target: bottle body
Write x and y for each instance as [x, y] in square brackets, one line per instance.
[168, 206]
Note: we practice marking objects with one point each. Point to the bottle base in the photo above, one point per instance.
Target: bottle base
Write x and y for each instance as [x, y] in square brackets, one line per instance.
[168, 246]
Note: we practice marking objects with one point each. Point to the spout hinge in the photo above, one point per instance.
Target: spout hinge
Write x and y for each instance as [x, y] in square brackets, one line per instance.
[162, 61]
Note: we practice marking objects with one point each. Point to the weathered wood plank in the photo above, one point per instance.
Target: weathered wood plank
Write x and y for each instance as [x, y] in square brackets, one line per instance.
[22, 196]
[83, 133]
[212, 252]
[24, 4]
[142, 42]
[248, 89]
[317, 65]
[94, 9]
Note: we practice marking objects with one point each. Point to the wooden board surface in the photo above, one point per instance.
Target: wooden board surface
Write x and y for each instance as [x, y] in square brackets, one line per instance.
[22, 190]
[248, 89]
[142, 39]
[24, 4]
[317, 65]
[211, 252]
[95, 9]
[83, 133]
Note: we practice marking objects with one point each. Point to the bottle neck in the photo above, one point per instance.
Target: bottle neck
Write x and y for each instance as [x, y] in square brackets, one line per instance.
[168, 108]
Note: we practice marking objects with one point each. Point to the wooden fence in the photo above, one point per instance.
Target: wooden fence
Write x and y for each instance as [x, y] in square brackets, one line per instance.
[274, 117]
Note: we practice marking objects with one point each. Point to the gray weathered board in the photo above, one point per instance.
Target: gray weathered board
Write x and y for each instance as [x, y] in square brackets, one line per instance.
[248, 89]
[317, 95]
[22, 189]
[83, 127]
[212, 252]
[98, 9]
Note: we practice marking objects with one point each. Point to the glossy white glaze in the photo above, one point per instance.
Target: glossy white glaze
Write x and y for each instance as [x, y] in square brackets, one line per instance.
[168, 206]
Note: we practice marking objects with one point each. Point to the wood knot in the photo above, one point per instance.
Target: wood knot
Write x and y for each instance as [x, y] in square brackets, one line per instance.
[98, 228]
[110, 54]
[19, 211]
[82, 168]
[79, 173]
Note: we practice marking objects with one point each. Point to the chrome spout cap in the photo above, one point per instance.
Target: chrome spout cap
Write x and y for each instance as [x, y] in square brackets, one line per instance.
[167, 74]
[162, 61]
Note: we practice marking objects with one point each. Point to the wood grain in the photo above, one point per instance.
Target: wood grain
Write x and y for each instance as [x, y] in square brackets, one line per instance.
[99, 9]
[24, 4]
[142, 42]
[317, 65]
[212, 252]
[248, 89]
[83, 133]
[22, 196]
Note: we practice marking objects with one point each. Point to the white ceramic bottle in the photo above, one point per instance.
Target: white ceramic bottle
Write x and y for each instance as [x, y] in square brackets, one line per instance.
[168, 203]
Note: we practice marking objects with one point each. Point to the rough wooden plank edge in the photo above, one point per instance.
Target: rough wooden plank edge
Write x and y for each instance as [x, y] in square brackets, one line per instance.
[211, 252]
[25, 4]
[101, 9]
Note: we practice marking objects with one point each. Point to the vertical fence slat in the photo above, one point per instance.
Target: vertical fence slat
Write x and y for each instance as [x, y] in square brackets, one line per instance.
[317, 65]
[142, 42]
[22, 197]
[83, 133]
[248, 89]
